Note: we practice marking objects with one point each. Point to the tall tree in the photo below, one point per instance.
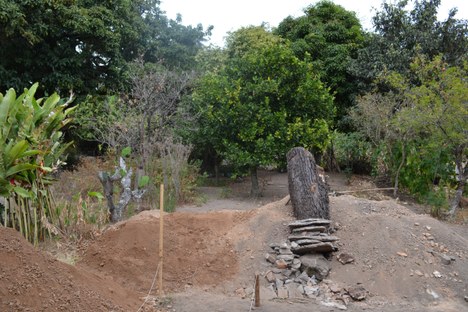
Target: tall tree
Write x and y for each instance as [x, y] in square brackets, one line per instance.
[85, 44]
[401, 34]
[262, 103]
[331, 37]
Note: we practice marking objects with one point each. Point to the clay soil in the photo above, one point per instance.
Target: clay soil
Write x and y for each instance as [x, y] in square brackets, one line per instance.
[212, 252]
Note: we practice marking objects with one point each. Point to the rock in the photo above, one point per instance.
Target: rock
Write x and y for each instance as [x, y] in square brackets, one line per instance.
[319, 248]
[285, 251]
[279, 283]
[309, 222]
[466, 298]
[311, 291]
[287, 258]
[283, 292]
[294, 245]
[296, 264]
[270, 258]
[402, 254]
[418, 273]
[287, 273]
[445, 259]
[309, 229]
[334, 288]
[332, 304]
[437, 274]
[303, 242]
[345, 258]
[281, 264]
[303, 278]
[428, 227]
[432, 293]
[240, 292]
[321, 238]
[270, 277]
[267, 293]
[416, 223]
[357, 292]
[294, 290]
[315, 264]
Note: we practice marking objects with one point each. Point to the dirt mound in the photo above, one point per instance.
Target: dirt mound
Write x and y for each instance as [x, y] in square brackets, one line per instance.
[398, 253]
[197, 250]
[32, 281]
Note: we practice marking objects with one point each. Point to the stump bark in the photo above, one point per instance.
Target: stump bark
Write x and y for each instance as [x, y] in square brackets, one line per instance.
[308, 192]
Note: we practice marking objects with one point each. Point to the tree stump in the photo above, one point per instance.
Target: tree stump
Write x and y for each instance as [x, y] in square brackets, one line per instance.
[307, 190]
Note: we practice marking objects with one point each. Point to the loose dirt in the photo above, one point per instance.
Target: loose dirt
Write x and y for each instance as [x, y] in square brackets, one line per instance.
[213, 251]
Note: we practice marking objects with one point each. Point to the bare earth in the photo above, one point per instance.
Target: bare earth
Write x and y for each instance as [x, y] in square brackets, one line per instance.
[214, 250]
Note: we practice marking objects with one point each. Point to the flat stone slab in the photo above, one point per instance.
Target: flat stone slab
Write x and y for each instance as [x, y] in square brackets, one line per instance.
[318, 248]
[309, 229]
[309, 222]
[320, 238]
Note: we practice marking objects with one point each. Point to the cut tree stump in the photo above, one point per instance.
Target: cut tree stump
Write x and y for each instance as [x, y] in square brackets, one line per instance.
[308, 192]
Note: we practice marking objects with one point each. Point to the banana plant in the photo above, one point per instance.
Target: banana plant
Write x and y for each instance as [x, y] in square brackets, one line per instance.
[30, 150]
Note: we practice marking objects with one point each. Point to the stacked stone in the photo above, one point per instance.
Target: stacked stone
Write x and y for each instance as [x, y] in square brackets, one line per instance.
[299, 264]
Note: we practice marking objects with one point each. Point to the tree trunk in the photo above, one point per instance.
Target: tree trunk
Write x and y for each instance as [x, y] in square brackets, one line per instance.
[462, 176]
[308, 192]
[255, 190]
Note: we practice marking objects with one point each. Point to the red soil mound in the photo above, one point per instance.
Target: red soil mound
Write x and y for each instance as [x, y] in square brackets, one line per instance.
[32, 281]
[197, 250]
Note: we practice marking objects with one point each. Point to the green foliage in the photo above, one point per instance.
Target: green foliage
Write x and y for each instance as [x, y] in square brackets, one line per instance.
[401, 34]
[262, 103]
[30, 149]
[330, 36]
[86, 45]
[352, 151]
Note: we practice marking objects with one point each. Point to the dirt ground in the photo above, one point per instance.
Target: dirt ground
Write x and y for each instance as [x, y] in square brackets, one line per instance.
[214, 250]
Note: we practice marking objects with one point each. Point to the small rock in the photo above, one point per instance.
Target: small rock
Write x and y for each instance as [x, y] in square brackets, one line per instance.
[270, 277]
[311, 291]
[240, 292]
[428, 227]
[437, 274]
[432, 293]
[270, 258]
[283, 292]
[333, 305]
[402, 254]
[296, 264]
[445, 259]
[287, 258]
[315, 264]
[357, 292]
[418, 273]
[294, 245]
[345, 258]
[416, 223]
[466, 298]
[281, 264]
[295, 291]
[335, 288]
[279, 283]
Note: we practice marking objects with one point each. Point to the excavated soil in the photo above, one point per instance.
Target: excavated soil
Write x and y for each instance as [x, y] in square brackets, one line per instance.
[210, 255]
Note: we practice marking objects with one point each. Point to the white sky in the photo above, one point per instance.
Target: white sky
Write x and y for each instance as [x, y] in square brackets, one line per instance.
[230, 15]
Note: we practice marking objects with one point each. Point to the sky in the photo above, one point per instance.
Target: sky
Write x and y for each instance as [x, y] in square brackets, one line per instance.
[228, 16]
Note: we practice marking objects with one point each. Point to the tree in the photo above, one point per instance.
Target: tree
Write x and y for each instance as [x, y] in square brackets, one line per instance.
[400, 35]
[262, 103]
[86, 45]
[438, 110]
[331, 37]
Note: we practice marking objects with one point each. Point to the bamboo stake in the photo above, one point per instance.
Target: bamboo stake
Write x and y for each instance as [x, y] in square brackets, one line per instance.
[161, 233]
[257, 291]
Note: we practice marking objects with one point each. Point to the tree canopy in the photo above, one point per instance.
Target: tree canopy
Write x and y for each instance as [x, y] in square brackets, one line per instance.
[331, 37]
[262, 103]
[85, 45]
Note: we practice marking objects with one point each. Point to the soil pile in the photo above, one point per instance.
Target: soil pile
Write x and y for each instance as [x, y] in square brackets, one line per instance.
[33, 281]
[197, 250]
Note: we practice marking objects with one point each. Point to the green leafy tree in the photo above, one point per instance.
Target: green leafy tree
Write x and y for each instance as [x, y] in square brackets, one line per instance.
[438, 111]
[262, 103]
[401, 34]
[85, 45]
[331, 37]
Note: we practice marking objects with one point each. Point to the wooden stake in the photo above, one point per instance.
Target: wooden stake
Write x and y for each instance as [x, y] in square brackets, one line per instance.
[257, 290]
[161, 235]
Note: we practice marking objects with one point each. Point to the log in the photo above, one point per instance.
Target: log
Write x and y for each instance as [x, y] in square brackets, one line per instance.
[318, 248]
[308, 192]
